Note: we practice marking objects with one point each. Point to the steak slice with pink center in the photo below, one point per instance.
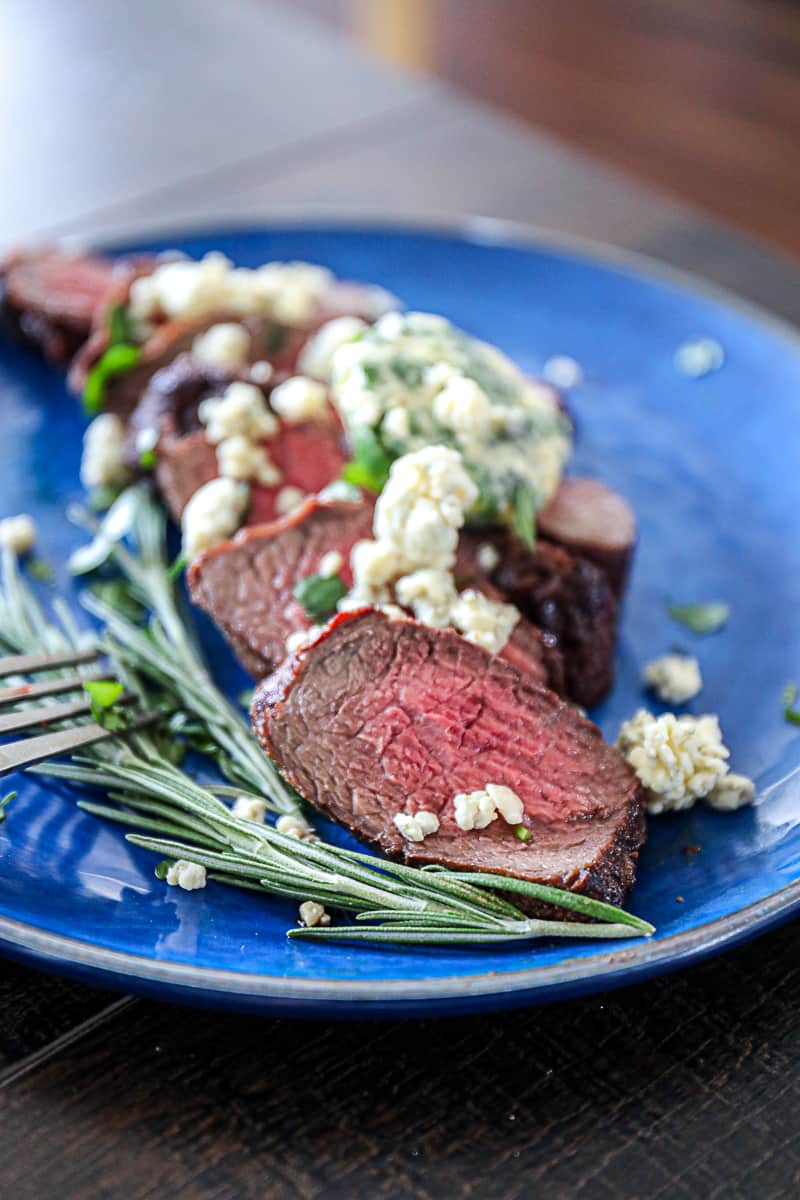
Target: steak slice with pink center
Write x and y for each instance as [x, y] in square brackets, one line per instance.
[247, 586]
[380, 716]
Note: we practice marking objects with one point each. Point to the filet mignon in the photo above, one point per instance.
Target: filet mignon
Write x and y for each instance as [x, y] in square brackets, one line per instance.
[309, 454]
[49, 298]
[379, 716]
[568, 598]
[592, 521]
[270, 341]
[247, 586]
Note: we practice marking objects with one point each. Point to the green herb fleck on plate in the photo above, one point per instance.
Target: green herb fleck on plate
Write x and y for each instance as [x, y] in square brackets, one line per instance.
[790, 713]
[522, 833]
[40, 570]
[4, 803]
[701, 618]
[319, 595]
[523, 514]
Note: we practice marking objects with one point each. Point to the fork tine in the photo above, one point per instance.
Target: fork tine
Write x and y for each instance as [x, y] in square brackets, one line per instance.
[48, 687]
[17, 755]
[17, 721]
[29, 664]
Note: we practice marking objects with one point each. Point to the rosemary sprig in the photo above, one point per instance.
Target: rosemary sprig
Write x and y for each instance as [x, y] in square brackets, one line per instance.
[176, 817]
[166, 652]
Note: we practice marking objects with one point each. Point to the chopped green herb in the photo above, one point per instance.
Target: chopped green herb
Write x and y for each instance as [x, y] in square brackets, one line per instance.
[410, 373]
[319, 594]
[4, 802]
[116, 360]
[120, 328]
[245, 698]
[277, 337]
[790, 713]
[177, 566]
[701, 618]
[147, 459]
[162, 868]
[371, 374]
[40, 570]
[523, 833]
[523, 516]
[371, 464]
[104, 693]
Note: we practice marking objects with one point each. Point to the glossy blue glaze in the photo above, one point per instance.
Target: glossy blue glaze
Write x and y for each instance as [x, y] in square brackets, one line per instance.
[712, 467]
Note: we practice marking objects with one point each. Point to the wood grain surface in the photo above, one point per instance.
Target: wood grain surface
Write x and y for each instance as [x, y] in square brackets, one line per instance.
[686, 1086]
[701, 99]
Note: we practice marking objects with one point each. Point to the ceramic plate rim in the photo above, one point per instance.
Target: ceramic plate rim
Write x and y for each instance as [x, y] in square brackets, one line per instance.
[628, 964]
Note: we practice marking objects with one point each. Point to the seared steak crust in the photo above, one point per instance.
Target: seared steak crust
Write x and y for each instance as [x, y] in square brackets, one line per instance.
[590, 520]
[568, 598]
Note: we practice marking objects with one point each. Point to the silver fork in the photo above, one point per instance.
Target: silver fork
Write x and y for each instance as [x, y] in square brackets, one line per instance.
[16, 755]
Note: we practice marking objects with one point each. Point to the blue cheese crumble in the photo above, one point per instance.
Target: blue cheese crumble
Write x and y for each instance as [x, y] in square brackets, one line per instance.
[187, 875]
[680, 760]
[411, 559]
[675, 678]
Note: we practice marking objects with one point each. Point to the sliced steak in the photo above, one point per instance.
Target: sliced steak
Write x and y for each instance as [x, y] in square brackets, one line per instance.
[49, 298]
[309, 454]
[378, 717]
[270, 341]
[594, 522]
[247, 587]
[124, 391]
[568, 598]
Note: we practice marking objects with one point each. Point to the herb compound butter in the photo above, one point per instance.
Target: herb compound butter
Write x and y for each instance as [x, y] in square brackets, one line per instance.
[416, 380]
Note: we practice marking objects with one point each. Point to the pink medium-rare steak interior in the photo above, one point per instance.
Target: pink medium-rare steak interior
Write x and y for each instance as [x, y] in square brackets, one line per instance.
[50, 297]
[379, 716]
[247, 587]
[247, 584]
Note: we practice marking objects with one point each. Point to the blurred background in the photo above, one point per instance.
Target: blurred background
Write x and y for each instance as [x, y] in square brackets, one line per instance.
[623, 120]
[699, 97]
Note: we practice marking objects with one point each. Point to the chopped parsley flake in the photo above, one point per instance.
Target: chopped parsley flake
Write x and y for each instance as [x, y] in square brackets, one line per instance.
[319, 595]
[701, 618]
[523, 514]
[104, 694]
[790, 713]
[371, 464]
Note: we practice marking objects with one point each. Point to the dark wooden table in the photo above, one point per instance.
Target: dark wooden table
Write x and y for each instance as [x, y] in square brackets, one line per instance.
[134, 116]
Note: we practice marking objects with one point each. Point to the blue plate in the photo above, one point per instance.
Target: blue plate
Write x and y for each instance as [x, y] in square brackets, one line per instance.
[712, 466]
